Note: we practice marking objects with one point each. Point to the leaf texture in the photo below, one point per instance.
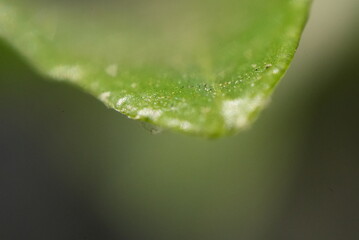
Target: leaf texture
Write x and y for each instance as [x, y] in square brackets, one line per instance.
[201, 67]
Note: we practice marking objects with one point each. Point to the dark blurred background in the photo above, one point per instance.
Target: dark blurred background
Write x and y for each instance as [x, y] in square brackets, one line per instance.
[72, 169]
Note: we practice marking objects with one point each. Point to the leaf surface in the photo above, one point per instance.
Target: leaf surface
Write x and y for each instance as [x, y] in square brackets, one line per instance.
[202, 67]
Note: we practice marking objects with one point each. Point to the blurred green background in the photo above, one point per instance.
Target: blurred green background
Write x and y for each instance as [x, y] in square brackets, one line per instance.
[72, 169]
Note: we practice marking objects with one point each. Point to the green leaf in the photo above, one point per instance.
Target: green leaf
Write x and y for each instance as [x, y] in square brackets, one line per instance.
[202, 67]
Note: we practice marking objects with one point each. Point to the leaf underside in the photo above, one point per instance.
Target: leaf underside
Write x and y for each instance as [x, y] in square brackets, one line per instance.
[202, 67]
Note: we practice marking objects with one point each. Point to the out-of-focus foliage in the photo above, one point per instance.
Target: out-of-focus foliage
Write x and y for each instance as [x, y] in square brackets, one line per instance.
[200, 67]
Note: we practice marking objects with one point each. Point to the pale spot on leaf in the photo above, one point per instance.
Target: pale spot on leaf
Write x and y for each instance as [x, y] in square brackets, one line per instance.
[236, 113]
[65, 72]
